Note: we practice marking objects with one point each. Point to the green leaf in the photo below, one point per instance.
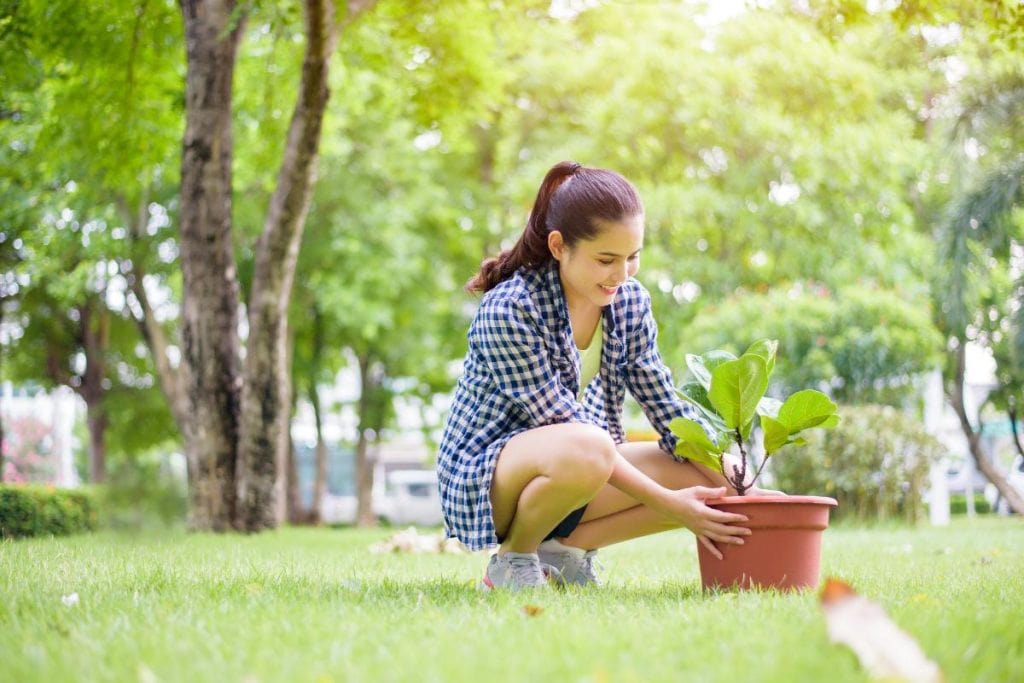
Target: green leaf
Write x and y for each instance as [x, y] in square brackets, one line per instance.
[698, 455]
[700, 371]
[775, 434]
[806, 409]
[690, 431]
[702, 366]
[766, 349]
[830, 422]
[712, 359]
[769, 406]
[737, 387]
[694, 392]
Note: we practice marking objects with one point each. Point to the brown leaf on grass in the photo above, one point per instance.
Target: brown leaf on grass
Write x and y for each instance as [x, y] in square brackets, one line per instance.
[884, 650]
[530, 610]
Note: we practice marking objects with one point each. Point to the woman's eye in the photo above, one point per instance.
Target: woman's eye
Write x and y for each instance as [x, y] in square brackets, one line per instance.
[606, 262]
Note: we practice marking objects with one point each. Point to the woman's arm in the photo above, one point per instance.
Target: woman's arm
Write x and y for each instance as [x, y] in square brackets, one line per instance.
[685, 505]
[650, 381]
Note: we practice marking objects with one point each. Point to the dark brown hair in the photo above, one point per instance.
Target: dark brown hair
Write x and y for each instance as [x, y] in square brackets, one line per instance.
[570, 200]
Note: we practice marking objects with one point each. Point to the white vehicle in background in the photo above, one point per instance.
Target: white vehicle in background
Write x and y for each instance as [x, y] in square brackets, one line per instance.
[400, 497]
[409, 497]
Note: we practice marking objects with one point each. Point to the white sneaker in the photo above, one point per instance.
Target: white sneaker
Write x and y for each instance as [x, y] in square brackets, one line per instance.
[514, 571]
[575, 565]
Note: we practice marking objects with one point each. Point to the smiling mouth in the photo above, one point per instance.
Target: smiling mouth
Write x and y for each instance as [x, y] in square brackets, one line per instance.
[609, 290]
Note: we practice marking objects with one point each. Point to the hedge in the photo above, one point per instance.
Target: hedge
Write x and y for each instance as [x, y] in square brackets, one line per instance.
[34, 510]
[875, 463]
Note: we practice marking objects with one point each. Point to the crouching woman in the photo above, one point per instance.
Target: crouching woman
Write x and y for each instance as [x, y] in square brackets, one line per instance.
[533, 456]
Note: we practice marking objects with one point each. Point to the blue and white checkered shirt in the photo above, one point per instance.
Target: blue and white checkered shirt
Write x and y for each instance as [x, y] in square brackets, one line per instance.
[522, 371]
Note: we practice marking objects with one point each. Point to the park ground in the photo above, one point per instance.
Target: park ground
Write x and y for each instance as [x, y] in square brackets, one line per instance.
[317, 605]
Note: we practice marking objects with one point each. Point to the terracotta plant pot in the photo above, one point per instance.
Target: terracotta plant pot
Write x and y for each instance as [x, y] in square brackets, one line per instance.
[784, 550]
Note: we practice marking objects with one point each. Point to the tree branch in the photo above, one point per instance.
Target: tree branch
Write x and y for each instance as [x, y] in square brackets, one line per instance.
[150, 329]
[985, 466]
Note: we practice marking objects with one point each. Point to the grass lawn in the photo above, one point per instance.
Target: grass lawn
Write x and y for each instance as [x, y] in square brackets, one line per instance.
[315, 605]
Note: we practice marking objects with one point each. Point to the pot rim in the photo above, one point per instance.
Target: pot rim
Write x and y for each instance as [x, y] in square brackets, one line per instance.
[774, 500]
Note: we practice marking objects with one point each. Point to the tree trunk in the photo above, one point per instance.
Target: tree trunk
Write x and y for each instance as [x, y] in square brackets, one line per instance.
[320, 478]
[320, 481]
[94, 339]
[211, 348]
[263, 431]
[295, 514]
[984, 464]
[365, 516]
[97, 419]
[1012, 414]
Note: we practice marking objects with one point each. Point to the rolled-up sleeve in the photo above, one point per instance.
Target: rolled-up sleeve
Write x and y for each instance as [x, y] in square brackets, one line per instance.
[507, 337]
[650, 381]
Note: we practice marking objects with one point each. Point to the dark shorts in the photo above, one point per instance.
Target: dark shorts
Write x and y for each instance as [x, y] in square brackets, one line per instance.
[567, 525]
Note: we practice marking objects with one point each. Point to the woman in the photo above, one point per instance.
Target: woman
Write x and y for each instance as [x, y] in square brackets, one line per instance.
[533, 455]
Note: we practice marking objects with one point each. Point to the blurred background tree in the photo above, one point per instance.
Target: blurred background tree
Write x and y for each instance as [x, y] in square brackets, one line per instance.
[810, 172]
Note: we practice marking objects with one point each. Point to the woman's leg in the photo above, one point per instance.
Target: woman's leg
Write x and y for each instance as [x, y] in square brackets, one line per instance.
[544, 474]
[612, 516]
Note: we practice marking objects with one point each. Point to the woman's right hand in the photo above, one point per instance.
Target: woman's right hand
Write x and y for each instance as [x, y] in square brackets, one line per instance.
[709, 525]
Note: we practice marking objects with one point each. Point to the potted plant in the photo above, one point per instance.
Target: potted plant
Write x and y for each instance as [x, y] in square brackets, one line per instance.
[784, 549]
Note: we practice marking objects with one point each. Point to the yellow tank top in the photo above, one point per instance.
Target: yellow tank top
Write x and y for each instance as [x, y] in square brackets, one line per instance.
[590, 358]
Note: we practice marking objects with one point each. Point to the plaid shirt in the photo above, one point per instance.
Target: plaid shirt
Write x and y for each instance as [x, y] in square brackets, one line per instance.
[522, 371]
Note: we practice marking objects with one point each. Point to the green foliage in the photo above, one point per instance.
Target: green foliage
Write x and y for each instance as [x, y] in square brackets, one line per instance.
[875, 463]
[865, 345]
[958, 505]
[796, 143]
[140, 493]
[28, 510]
[735, 399]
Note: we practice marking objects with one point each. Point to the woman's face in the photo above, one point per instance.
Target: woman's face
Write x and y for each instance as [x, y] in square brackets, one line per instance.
[593, 270]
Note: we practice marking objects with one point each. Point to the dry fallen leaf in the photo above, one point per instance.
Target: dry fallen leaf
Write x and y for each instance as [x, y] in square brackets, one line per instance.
[530, 610]
[884, 650]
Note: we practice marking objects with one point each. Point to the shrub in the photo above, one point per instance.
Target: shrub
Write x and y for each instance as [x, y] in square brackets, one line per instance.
[142, 493]
[958, 504]
[867, 345]
[875, 463]
[27, 510]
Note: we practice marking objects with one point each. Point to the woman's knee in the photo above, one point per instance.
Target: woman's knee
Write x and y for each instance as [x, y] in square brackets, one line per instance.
[587, 456]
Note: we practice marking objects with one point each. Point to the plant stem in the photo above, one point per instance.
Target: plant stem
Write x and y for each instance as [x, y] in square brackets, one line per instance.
[758, 473]
[740, 477]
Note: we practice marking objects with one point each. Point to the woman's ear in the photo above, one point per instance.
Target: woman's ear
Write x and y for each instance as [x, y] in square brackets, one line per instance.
[556, 245]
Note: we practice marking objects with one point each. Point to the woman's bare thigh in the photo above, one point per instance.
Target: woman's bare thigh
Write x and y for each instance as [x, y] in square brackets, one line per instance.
[543, 451]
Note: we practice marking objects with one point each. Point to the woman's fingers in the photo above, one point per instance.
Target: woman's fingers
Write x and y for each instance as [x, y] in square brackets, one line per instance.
[706, 542]
[726, 533]
[720, 538]
[725, 517]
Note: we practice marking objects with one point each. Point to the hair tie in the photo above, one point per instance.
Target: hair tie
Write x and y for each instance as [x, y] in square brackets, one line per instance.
[575, 167]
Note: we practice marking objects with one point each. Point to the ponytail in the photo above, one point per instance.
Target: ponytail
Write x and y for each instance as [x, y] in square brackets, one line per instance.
[532, 248]
[570, 198]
